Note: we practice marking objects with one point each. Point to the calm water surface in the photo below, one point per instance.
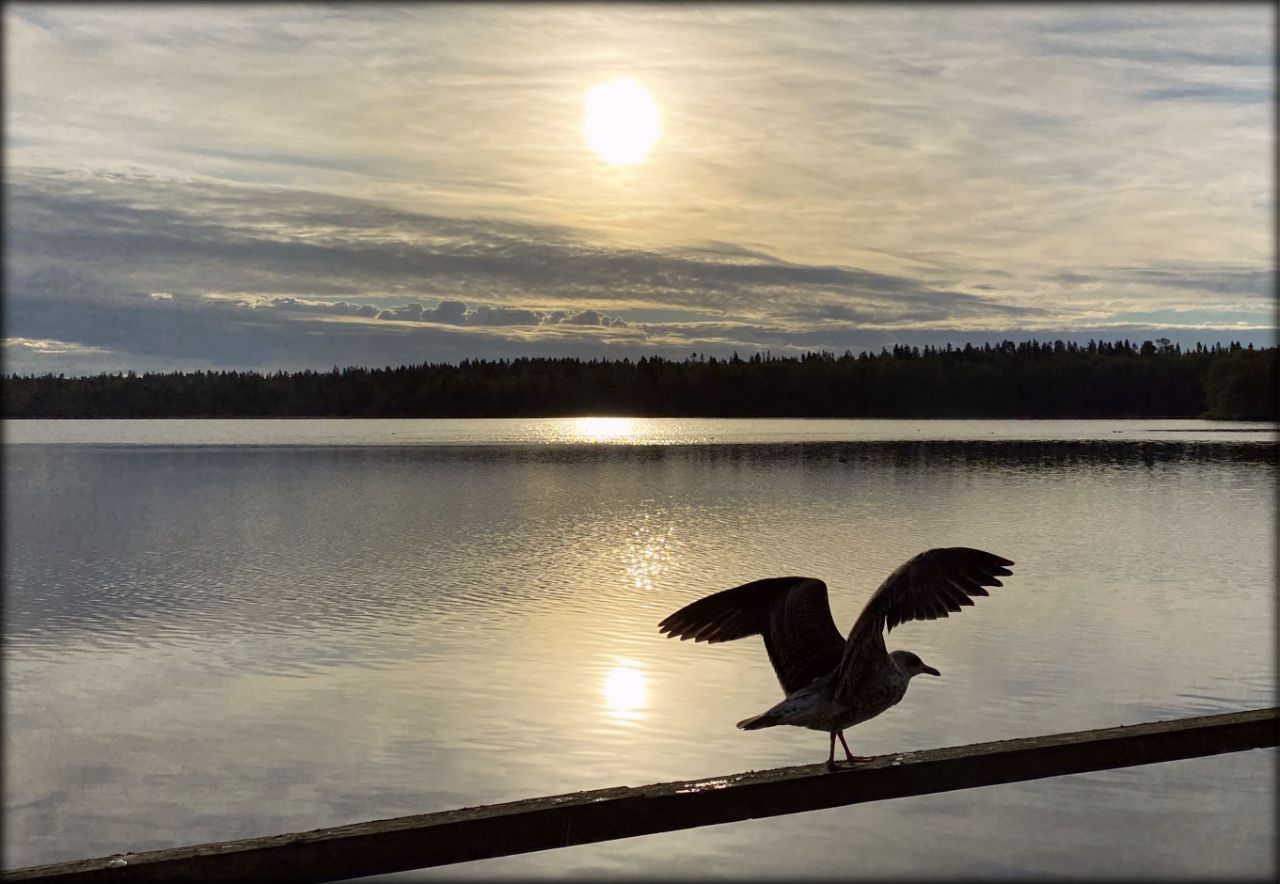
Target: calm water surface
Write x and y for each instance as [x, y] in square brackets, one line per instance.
[221, 629]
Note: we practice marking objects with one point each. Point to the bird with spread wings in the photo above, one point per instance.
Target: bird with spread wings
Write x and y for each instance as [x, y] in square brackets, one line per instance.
[832, 683]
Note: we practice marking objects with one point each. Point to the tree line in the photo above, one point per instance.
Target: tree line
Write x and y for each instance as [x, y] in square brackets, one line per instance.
[1030, 379]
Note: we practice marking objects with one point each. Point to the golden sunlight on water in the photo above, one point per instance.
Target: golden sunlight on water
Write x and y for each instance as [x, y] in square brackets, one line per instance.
[626, 691]
[601, 429]
[648, 553]
[501, 617]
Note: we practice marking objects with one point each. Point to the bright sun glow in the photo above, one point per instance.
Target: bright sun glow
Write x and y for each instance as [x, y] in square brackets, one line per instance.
[622, 121]
[598, 429]
[624, 689]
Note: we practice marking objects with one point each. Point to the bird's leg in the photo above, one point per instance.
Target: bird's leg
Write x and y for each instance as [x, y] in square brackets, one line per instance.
[831, 756]
[849, 756]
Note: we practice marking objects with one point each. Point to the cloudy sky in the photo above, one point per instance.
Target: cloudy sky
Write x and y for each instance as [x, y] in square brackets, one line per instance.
[261, 186]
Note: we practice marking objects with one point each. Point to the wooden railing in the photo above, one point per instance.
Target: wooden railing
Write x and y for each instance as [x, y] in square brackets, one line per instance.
[453, 836]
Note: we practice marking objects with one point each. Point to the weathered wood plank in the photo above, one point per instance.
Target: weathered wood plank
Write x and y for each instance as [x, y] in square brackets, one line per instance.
[452, 836]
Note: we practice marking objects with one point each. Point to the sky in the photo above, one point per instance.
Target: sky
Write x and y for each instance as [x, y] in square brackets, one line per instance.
[265, 187]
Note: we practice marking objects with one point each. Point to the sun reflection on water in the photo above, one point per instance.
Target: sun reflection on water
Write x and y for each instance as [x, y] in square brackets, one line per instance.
[602, 429]
[610, 430]
[626, 691]
[648, 553]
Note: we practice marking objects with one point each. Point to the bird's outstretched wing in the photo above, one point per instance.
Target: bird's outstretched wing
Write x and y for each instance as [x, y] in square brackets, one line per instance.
[925, 587]
[791, 613]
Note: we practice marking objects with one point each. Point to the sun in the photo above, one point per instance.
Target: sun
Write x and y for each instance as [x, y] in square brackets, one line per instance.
[622, 122]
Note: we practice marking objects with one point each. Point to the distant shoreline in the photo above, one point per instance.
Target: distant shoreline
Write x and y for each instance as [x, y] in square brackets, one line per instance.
[1030, 380]
[303, 417]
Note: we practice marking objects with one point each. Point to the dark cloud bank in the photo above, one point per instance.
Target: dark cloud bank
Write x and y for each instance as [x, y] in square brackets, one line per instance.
[267, 278]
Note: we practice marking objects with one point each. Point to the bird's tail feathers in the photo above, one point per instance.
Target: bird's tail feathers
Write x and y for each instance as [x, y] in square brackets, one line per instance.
[764, 719]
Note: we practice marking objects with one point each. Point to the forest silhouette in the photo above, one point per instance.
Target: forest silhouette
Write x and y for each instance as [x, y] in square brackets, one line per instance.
[1024, 380]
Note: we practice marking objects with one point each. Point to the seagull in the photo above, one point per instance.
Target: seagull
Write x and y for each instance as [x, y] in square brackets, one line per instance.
[831, 683]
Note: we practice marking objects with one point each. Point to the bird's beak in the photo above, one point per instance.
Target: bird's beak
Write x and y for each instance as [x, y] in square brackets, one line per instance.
[931, 670]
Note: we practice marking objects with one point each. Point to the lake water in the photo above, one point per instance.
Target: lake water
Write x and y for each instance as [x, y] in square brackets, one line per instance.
[222, 629]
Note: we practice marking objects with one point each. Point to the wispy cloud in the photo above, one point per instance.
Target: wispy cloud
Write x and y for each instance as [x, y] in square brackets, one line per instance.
[49, 346]
[418, 170]
[145, 234]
